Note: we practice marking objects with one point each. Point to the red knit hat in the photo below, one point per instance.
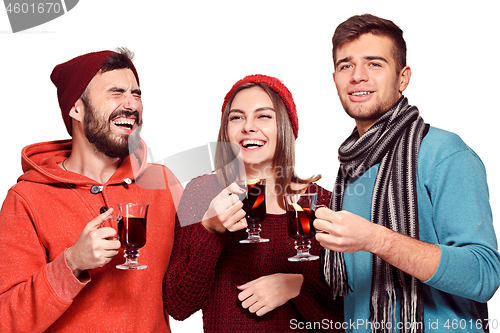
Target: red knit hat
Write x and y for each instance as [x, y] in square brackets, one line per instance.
[278, 87]
[72, 77]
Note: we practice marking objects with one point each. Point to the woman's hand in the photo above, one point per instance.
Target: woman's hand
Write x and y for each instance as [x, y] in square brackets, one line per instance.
[225, 211]
[268, 292]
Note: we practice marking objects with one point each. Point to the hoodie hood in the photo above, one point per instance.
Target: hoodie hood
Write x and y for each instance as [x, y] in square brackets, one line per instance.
[40, 164]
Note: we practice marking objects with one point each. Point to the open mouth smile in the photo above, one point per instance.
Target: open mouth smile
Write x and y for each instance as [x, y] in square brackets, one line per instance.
[124, 123]
[125, 120]
[360, 93]
[252, 144]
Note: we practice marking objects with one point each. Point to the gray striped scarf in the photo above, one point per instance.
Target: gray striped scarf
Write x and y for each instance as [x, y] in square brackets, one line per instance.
[393, 141]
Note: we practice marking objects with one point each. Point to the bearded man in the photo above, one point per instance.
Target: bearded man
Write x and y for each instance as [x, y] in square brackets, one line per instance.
[58, 269]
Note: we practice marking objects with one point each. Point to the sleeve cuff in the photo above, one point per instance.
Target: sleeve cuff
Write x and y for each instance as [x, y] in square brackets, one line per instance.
[443, 262]
[62, 280]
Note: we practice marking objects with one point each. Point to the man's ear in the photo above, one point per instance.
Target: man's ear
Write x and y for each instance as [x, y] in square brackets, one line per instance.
[77, 112]
[333, 77]
[404, 78]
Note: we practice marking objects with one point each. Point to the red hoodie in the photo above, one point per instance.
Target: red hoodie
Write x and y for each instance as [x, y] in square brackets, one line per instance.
[45, 212]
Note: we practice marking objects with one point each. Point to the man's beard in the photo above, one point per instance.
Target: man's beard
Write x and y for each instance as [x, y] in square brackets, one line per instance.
[380, 107]
[374, 114]
[98, 132]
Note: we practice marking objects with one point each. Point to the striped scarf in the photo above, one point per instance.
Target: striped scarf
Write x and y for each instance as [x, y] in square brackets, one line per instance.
[393, 141]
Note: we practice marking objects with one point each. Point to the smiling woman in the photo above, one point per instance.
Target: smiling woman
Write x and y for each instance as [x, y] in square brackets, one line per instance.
[252, 127]
[256, 140]
[260, 108]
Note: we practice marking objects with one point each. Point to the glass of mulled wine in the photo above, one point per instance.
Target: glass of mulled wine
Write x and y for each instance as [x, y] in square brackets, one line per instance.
[254, 205]
[132, 232]
[300, 212]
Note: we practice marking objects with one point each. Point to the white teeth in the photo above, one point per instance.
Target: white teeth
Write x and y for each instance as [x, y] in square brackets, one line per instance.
[124, 121]
[253, 143]
[361, 93]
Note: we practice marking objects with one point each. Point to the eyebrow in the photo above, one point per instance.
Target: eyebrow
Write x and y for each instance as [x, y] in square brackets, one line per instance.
[264, 108]
[376, 58]
[348, 59]
[136, 91]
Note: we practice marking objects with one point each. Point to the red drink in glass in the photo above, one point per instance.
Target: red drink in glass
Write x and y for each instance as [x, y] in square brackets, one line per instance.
[300, 212]
[300, 224]
[132, 231]
[254, 205]
[132, 219]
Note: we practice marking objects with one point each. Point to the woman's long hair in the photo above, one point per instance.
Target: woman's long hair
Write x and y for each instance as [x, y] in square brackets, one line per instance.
[283, 164]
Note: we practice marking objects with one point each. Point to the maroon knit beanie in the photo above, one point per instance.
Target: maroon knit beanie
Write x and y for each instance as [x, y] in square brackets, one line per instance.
[278, 87]
[72, 77]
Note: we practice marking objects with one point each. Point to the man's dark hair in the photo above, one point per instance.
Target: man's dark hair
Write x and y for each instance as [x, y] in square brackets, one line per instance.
[359, 25]
[119, 60]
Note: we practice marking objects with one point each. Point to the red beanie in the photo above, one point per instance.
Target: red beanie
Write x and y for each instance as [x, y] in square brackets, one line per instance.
[278, 87]
[72, 77]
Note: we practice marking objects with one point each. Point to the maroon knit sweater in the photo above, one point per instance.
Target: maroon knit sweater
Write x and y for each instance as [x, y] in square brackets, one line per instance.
[205, 269]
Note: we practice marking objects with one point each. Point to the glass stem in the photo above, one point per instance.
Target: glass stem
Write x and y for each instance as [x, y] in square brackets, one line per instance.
[131, 256]
[302, 246]
[254, 231]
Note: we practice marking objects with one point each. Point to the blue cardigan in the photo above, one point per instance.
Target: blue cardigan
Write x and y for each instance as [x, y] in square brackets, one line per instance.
[454, 212]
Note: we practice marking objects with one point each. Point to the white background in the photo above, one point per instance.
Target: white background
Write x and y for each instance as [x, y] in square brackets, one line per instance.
[189, 53]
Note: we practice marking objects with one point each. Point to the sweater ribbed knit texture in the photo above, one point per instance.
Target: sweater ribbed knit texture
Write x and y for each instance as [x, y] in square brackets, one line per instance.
[205, 269]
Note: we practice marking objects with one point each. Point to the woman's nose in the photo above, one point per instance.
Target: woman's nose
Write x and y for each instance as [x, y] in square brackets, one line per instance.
[249, 126]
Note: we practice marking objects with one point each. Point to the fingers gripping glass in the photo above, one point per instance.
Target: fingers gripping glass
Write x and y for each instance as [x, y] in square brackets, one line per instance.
[300, 212]
[254, 205]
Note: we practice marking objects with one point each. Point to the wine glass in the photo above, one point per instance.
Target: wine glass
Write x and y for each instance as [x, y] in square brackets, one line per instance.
[254, 205]
[300, 212]
[132, 232]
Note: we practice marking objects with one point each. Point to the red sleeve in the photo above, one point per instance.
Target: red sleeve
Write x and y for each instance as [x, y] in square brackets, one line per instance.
[28, 303]
[196, 251]
[62, 280]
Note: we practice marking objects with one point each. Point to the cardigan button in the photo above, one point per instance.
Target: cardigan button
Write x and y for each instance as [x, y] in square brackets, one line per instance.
[103, 209]
[95, 189]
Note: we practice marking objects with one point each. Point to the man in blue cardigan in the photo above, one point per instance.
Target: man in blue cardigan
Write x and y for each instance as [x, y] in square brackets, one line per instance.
[409, 239]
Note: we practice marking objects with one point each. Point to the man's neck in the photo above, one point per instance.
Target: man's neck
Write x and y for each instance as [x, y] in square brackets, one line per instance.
[87, 161]
[364, 126]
